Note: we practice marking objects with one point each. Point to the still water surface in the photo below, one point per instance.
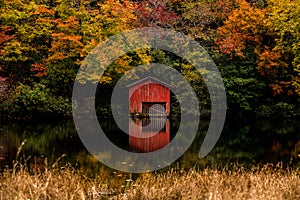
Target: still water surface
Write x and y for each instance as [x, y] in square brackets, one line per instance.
[247, 143]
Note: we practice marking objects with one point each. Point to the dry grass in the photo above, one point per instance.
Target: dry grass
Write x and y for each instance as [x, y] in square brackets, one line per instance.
[263, 183]
[266, 182]
[65, 183]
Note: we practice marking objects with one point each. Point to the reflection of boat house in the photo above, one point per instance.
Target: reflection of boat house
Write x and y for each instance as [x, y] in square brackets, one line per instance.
[147, 137]
[147, 92]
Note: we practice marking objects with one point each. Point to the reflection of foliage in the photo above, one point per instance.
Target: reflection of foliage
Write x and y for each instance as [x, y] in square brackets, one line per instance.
[245, 143]
[248, 143]
[42, 138]
[296, 153]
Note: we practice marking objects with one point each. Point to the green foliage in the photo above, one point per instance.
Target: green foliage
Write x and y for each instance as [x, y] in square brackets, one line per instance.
[242, 92]
[37, 99]
[281, 109]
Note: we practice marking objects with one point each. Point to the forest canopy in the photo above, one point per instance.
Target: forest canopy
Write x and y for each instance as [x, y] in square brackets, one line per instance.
[255, 45]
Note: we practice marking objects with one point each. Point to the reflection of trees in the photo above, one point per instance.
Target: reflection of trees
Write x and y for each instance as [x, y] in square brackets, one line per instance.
[50, 140]
[248, 143]
[7, 150]
[296, 153]
[243, 142]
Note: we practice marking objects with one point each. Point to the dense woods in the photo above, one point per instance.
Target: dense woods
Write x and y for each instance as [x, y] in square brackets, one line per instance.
[255, 45]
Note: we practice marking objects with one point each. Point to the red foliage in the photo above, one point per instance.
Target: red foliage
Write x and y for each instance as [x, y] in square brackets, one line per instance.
[154, 13]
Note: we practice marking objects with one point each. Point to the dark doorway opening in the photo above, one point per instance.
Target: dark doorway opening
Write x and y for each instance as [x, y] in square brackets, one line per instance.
[157, 110]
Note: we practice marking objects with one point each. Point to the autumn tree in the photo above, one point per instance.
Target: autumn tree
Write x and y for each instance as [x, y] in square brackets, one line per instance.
[30, 41]
[280, 61]
[200, 19]
[270, 33]
[75, 33]
[236, 40]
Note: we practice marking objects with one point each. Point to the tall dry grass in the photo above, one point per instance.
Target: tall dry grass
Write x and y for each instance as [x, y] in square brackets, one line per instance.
[55, 183]
[265, 182]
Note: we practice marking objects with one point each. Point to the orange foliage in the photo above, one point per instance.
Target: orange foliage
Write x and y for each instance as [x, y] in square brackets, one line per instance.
[70, 23]
[241, 27]
[39, 68]
[281, 87]
[41, 9]
[272, 65]
[4, 37]
[66, 42]
[268, 61]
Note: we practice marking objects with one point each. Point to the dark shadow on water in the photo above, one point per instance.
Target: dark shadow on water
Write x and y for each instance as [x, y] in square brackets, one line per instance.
[247, 143]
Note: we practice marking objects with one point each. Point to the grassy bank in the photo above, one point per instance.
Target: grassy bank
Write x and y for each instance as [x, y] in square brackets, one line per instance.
[266, 182]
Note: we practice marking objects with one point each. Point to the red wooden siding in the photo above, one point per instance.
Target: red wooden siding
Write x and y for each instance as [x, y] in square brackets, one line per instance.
[148, 91]
[140, 143]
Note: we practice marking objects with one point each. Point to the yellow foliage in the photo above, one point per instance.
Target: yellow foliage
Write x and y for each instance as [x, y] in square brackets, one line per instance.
[143, 55]
[116, 16]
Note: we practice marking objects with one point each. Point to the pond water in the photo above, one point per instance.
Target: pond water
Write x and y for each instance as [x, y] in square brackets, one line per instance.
[244, 142]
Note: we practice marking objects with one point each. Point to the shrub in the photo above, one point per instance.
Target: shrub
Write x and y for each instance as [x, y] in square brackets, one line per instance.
[36, 100]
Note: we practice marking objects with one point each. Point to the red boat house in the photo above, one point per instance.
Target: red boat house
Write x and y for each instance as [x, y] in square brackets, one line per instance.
[146, 92]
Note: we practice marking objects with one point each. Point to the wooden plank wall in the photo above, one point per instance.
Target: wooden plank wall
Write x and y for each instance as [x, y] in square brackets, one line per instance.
[148, 92]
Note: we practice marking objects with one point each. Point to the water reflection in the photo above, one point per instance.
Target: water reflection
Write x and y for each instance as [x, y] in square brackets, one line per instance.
[249, 142]
[147, 135]
[7, 149]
